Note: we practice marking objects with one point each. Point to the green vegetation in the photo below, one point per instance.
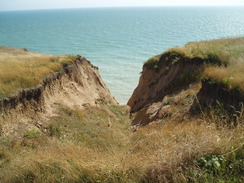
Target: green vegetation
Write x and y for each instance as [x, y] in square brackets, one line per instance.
[212, 168]
[152, 63]
[97, 145]
[189, 77]
[20, 69]
[232, 76]
[225, 51]
[225, 59]
[228, 52]
[31, 134]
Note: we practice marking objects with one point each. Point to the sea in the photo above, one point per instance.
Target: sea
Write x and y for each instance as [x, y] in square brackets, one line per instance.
[117, 40]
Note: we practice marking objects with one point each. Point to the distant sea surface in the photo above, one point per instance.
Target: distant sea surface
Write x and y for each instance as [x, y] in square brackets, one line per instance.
[118, 40]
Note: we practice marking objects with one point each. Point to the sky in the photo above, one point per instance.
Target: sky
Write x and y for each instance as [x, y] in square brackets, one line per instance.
[7, 5]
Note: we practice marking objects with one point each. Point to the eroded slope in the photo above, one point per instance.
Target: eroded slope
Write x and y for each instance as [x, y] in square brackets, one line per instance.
[75, 85]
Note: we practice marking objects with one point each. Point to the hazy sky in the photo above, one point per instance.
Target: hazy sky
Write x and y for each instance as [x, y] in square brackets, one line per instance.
[56, 4]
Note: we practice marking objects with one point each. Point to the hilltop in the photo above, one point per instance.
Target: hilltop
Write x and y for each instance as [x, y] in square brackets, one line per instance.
[65, 126]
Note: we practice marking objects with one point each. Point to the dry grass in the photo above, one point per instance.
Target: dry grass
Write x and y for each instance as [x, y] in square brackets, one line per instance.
[228, 52]
[224, 50]
[159, 152]
[232, 76]
[20, 69]
[169, 149]
[97, 145]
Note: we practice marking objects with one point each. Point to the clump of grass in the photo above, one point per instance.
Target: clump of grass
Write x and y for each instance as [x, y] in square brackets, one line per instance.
[20, 69]
[31, 134]
[231, 76]
[152, 63]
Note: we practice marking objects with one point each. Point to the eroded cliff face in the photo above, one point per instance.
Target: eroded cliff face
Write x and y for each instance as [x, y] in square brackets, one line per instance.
[172, 75]
[76, 86]
[214, 93]
[172, 88]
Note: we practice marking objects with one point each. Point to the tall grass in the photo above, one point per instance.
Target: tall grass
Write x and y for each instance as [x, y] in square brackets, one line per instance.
[97, 145]
[232, 76]
[227, 51]
[20, 69]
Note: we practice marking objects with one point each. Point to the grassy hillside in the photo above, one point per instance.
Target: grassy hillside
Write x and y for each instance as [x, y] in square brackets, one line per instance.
[20, 69]
[98, 145]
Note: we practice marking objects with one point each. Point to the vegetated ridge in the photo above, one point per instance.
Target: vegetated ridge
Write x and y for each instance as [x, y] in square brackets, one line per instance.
[72, 81]
[181, 130]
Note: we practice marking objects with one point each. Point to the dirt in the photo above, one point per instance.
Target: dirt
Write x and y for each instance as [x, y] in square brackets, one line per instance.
[175, 106]
[76, 86]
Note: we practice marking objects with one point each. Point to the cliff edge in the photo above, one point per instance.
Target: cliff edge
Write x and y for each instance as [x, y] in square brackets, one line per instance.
[75, 85]
[186, 79]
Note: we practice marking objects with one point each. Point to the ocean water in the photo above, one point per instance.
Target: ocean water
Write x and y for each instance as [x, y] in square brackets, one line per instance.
[118, 40]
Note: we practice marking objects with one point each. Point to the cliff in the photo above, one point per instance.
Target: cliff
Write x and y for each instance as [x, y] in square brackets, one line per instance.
[63, 125]
[76, 85]
[179, 73]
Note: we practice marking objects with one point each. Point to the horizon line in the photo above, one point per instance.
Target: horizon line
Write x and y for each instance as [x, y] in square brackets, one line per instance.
[101, 7]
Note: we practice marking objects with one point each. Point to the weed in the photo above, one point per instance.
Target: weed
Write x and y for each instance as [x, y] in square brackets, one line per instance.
[31, 134]
[54, 130]
[212, 82]
[218, 168]
[189, 77]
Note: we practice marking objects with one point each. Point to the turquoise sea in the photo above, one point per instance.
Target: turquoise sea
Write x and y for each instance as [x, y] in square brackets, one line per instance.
[117, 40]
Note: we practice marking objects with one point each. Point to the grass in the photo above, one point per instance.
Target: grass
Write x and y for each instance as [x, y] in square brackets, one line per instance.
[152, 62]
[231, 76]
[225, 56]
[225, 51]
[21, 69]
[228, 52]
[97, 145]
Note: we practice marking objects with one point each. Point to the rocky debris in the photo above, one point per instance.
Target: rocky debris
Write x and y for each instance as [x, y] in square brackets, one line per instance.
[174, 107]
